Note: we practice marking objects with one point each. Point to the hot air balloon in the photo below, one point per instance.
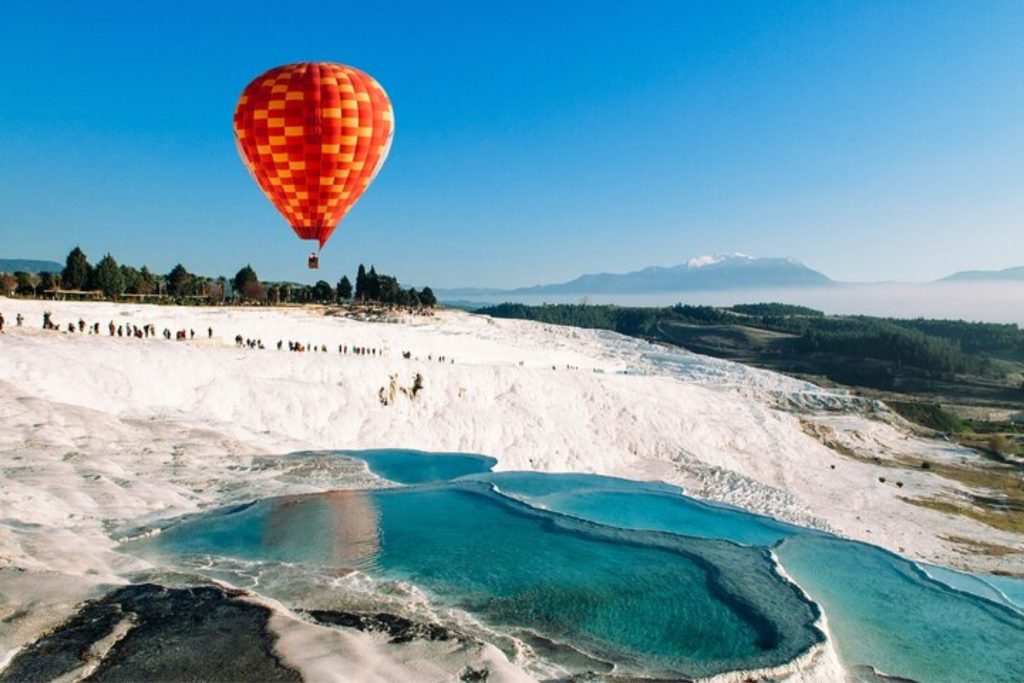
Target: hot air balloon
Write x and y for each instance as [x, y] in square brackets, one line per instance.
[313, 135]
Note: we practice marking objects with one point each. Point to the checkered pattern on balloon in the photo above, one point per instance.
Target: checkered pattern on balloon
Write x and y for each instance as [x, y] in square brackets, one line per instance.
[313, 135]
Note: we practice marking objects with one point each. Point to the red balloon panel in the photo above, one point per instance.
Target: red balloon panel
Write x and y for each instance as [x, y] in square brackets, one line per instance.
[313, 135]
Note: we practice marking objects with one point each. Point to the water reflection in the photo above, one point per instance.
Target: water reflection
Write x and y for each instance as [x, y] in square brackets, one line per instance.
[341, 528]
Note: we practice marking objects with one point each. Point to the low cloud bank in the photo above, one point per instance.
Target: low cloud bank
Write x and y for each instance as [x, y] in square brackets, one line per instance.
[988, 302]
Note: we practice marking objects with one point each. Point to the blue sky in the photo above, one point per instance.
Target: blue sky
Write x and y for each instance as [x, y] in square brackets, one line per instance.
[534, 140]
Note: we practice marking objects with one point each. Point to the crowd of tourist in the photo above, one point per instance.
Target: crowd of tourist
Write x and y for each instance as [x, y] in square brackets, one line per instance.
[146, 331]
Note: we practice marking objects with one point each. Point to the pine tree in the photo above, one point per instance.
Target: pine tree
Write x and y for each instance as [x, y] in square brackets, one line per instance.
[131, 279]
[244, 280]
[387, 289]
[344, 289]
[372, 285]
[427, 297]
[178, 281]
[147, 282]
[109, 277]
[361, 283]
[76, 270]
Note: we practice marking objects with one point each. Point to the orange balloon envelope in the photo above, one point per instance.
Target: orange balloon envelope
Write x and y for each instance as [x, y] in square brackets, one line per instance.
[313, 135]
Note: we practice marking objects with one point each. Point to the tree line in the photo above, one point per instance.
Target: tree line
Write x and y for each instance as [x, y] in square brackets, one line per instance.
[946, 347]
[114, 280]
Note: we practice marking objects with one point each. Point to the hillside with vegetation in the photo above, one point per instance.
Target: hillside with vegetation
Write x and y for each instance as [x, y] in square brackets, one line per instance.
[13, 265]
[944, 361]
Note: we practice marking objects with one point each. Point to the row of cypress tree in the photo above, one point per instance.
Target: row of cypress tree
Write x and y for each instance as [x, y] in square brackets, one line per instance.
[114, 280]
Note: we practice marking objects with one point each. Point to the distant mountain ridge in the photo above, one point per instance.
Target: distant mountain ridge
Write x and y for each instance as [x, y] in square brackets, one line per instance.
[13, 265]
[710, 272]
[1004, 275]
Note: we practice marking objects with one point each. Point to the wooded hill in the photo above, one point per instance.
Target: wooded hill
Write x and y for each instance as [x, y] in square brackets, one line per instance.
[881, 353]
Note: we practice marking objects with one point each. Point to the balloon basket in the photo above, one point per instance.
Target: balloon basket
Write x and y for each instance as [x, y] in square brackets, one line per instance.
[314, 261]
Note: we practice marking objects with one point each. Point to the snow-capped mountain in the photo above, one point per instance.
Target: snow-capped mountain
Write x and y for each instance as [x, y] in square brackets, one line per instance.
[708, 272]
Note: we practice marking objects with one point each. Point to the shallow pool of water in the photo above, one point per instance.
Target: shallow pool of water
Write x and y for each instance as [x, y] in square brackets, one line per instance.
[415, 467]
[884, 611]
[645, 602]
[635, 575]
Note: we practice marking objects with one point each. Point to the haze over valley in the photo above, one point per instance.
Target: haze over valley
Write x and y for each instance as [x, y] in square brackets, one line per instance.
[726, 280]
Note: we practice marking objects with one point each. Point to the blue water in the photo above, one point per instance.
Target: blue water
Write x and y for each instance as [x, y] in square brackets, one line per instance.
[637, 505]
[645, 602]
[1013, 589]
[884, 611]
[635, 575]
[993, 588]
[415, 467]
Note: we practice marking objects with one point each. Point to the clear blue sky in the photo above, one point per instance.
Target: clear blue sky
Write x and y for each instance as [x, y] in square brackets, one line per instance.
[534, 140]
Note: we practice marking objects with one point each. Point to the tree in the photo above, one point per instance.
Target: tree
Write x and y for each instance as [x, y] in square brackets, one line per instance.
[427, 297]
[130, 275]
[322, 291]
[255, 291]
[215, 289]
[212, 288]
[412, 297]
[76, 270]
[361, 283]
[179, 281]
[27, 283]
[48, 281]
[8, 283]
[244, 278]
[109, 277]
[146, 283]
[201, 285]
[387, 289]
[373, 285]
[344, 289]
